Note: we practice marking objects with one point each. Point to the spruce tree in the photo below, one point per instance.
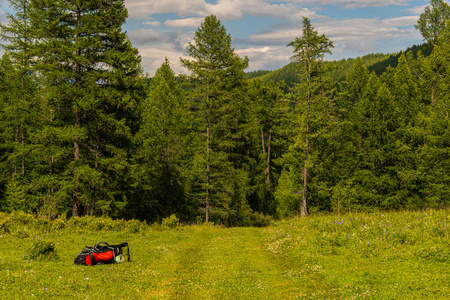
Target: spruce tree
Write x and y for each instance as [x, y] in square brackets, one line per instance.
[217, 82]
[20, 106]
[345, 142]
[91, 77]
[163, 141]
[309, 50]
[272, 108]
[435, 126]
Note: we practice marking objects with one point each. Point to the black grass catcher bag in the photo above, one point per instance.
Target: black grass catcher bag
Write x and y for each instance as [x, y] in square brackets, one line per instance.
[102, 253]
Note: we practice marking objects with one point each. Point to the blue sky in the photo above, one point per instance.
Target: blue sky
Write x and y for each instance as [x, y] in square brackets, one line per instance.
[261, 28]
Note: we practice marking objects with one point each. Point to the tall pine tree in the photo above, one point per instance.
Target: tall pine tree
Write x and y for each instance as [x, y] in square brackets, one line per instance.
[91, 77]
[309, 50]
[20, 105]
[217, 82]
[163, 142]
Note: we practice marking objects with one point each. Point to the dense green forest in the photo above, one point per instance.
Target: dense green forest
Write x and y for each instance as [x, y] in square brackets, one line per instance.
[84, 132]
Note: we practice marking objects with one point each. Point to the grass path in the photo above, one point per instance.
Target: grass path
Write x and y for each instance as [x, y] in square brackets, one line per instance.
[221, 263]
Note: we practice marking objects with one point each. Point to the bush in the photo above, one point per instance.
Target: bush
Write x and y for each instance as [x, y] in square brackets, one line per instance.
[26, 225]
[4, 223]
[133, 226]
[42, 250]
[260, 220]
[58, 224]
[20, 217]
[170, 222]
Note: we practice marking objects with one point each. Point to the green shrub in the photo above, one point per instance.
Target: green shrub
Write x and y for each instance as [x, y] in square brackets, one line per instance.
[20, 217]
[170, 222]
[58, 224]
[42, 250]
[260, 220]
[133, 226]
[4, 223]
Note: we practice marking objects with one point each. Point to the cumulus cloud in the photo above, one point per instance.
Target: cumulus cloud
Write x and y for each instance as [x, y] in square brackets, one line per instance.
[153, 57]
[342, 29]
[142, 9]
[420, 9]
[189, 22]
[368, 29]
[281, 11]
[350, 4]
[277, 35]
[225, 10]
[146, 36]
[265, 57]
[152, 23]
[357, 35]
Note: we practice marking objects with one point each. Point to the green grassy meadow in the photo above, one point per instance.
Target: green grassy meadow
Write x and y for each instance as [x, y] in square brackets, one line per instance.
[380, 256]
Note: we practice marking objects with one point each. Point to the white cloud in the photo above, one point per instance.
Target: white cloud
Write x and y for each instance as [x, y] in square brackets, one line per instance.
[189, 22]
[153, 57]
[343, 29]
[152, 23]
[417, 10]
[142, 9]
[349, 4]
[225, 10]
[276, 36]
[281, 11]
[368, 29]
[146, 36]
[358, 35]
[420, 9]
[180, 40]
[266, 57]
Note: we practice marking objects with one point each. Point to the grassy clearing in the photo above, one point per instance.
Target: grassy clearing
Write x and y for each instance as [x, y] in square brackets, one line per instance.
[379, 256]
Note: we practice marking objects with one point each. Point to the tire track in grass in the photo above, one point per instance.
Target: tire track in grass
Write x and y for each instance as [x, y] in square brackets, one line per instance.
[217, 263]
[191, 271]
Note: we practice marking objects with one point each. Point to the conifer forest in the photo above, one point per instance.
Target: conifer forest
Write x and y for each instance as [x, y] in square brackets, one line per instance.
[85, 132]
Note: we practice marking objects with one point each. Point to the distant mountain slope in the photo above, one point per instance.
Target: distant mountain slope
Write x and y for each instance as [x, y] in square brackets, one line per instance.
[258, 73]
[377, 62]
[381, 66]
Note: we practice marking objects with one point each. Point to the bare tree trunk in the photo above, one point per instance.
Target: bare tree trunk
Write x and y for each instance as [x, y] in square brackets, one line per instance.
[208, 154]
[262, 141]
[267, 170]
[75, 207]
[16, 140]
[208, 151]
[163, 182]
[304, 211]
[23, 156]
[432, 94]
